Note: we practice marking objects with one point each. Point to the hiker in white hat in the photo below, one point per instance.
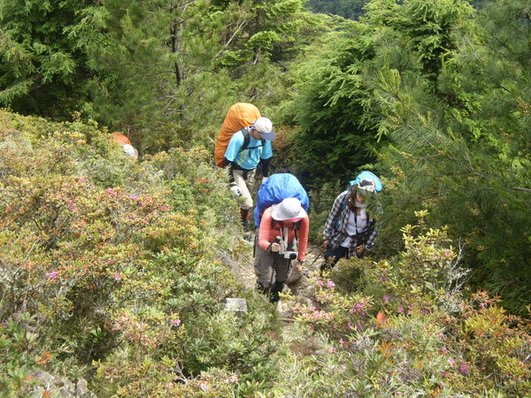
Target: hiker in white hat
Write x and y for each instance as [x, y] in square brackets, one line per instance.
[282, 244]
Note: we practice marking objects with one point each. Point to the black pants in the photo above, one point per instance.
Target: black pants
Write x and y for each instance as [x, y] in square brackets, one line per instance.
[332, 256]
[271, 270]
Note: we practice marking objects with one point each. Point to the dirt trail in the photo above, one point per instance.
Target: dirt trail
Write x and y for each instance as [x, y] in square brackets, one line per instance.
[243, 268]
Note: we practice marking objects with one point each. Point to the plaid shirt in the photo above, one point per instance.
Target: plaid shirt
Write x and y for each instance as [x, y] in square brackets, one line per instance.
[335, 229]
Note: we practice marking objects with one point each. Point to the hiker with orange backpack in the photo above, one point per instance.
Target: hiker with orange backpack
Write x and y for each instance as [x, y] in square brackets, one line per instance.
[282, 241]
[243, 142]
[246, 150]
[125, 144]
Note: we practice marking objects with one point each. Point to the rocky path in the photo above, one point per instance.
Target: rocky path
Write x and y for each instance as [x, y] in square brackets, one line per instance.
[243, 267]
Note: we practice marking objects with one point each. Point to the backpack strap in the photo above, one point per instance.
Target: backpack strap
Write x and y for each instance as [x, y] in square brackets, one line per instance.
[296, 227]
[342, 207]
[247, 139]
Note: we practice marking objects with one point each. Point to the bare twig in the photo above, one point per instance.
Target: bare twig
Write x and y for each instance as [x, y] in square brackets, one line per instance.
[227, 43]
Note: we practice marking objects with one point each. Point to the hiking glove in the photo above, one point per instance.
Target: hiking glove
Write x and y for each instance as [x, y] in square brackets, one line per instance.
[275, 247]
[235, 190]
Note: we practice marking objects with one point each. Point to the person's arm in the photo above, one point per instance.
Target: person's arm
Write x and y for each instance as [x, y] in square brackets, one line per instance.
[375, 229]
[231, 153]
[303, 233]
[334, 213]
[264, 232]
[233, 147]
[264, 165]
[265, 158]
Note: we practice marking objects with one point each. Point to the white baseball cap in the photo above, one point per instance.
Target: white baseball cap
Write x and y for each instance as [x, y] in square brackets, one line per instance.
[265, 127]
[129, 150]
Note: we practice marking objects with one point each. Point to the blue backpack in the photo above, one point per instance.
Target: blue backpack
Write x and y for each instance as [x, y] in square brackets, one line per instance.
[367, 175]
[277, 188]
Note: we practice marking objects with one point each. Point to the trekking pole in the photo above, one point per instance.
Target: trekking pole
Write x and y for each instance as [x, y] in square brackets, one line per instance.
[319, 255]
[273, 267]
[273, 272]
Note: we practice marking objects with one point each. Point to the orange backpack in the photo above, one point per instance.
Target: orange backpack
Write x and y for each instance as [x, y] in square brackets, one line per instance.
[238, 116]
[120, 139]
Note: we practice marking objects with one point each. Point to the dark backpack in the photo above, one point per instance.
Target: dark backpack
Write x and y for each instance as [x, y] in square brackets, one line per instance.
[247, 139]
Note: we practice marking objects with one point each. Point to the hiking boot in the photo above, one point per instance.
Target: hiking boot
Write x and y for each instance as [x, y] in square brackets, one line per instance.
[248, 236]
[276, 288]
[245, 214]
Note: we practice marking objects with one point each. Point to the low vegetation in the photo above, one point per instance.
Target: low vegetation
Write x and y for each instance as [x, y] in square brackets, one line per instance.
[111, 276]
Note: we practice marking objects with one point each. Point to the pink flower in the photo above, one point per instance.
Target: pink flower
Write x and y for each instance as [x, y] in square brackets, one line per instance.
[117, 277]
[330, 284]
[110, 192]
[319, 283]
[82, 180]
[357, 309]
[52, 275]
[133, 197]
[233, 379]
[175, 323]
[386, 298]
[464, 368]
[400, 310]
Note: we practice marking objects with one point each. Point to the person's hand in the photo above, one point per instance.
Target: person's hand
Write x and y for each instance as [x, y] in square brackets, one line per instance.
[235, 190]
[325, 243]
[264, 179]
[275, 247]
[360, 250]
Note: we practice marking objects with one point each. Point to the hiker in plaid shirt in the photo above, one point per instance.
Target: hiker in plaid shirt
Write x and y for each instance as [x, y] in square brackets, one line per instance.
[350, 230]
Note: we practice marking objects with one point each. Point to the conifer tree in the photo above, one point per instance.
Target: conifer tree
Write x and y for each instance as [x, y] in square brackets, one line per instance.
[44, 62]
[467, 160]
[337, 103]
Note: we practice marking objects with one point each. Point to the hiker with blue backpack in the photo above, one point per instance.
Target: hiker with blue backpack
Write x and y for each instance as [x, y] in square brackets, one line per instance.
[282, 244]
[247, 149]
[350, 230]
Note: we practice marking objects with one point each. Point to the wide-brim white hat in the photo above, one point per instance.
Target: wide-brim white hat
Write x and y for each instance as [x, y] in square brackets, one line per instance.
[287, 209]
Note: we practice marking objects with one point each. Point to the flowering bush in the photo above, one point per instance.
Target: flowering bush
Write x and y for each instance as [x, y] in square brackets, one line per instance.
[397, 336]
[105, 269]
[111, 272]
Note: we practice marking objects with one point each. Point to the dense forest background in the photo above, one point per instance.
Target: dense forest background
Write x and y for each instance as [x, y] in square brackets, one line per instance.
[431, 96]
[354, 9]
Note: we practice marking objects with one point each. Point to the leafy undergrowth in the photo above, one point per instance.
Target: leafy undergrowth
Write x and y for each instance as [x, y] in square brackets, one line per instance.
[111, 273]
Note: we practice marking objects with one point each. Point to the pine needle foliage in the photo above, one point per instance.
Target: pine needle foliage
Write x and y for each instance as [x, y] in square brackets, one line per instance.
[465, 156]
